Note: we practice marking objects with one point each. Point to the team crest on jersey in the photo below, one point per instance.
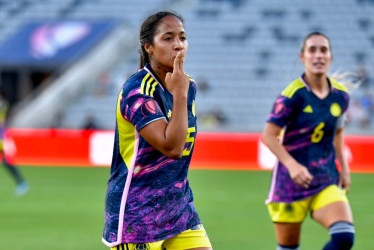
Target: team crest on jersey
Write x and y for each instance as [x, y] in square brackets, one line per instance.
[335, 109]
[141, 246]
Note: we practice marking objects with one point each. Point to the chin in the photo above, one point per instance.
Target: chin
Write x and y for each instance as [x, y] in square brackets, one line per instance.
[166, 67]
[320, 72]
[169, 69]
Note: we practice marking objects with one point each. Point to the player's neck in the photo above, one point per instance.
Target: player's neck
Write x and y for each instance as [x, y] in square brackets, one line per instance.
[318, 84]
[160, 71]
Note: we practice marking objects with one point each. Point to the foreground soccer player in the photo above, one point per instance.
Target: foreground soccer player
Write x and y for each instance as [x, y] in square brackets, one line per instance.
[149, 203]
[309, 112]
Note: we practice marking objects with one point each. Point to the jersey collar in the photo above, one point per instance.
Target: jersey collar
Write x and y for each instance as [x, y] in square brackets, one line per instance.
[302, 79]
[148, 68]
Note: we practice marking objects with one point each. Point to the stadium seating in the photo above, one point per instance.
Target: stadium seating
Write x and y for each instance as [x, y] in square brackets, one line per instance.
[245, 50]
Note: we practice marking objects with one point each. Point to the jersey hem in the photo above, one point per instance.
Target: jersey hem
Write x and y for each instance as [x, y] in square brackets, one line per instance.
[270, 200]
[113, 244]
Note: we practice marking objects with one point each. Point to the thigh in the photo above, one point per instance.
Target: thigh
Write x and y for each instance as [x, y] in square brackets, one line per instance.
[331, 205]
[287, 218]
[195, 238]
[287, 234]
[332, 213]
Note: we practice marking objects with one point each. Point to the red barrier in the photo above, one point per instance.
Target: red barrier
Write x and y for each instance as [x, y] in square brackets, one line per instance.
[226, 151]
[360, 153]
[245, 151]
[48, 147]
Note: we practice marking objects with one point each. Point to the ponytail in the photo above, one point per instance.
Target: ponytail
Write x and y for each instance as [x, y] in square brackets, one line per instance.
[347, 79]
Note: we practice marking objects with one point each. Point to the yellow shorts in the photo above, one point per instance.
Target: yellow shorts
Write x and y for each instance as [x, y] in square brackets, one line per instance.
[296, 211]
[191, 238]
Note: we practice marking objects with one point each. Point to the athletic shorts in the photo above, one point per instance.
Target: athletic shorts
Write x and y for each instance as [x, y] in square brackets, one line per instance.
[191, 238]
[296, 211]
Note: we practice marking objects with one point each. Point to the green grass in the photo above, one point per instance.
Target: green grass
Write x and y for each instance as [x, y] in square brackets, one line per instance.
[64, 210]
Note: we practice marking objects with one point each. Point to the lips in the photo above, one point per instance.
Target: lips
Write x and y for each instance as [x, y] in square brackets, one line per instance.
[319, 64]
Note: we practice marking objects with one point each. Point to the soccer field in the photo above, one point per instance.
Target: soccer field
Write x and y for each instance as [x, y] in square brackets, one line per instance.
[64, 210]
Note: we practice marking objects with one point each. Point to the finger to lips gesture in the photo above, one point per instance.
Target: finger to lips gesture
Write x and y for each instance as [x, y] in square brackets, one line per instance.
[177, 81]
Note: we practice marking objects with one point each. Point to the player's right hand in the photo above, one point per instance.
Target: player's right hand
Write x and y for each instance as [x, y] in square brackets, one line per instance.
[301, 176]
[177, 82]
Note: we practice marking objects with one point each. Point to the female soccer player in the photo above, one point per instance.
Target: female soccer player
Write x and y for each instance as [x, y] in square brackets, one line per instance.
[149, 203]
[305, 132]
[22, 185]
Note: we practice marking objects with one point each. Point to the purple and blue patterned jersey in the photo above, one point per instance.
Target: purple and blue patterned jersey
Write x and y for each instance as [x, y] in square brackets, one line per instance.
[308, 127]
[159, 202]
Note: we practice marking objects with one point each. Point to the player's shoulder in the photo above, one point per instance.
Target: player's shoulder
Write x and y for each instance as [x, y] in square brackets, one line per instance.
[191, 79]
[192, 82]
[142, 82]
[136, 78]
[339, 86]
[292, 88]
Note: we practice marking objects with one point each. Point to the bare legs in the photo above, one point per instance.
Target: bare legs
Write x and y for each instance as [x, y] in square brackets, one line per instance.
[288, 234]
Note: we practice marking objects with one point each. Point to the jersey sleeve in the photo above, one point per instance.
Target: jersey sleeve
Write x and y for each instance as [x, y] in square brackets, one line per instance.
[282, 110]
[341, 121]
[343, 116]
[347, 101]
[140, 110]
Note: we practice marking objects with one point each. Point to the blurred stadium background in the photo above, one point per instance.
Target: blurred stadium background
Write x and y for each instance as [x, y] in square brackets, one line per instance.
[62, 63]
[241, 52]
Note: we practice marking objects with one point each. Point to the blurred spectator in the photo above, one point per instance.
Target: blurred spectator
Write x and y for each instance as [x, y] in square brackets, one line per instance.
[213, 118]
[367, 102]
[357, 115]
[103, 84]
[58, 120]
[203, 86]
[218, 115]
[363, 76]
[90, 123]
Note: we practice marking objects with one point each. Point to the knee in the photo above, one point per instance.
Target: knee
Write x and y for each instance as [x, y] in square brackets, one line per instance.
[342, 235]
[343, 241]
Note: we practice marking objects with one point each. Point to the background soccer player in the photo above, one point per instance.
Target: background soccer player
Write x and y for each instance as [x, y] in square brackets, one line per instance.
[149, 203]
[22, 186]
[309, 112]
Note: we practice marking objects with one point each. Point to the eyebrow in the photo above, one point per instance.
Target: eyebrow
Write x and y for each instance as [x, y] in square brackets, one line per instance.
[319, 46]
[171, 33]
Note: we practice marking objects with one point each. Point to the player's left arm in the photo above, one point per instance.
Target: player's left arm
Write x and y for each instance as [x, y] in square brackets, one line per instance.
[345, 177]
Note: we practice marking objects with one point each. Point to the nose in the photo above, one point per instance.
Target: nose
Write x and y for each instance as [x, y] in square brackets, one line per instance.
[178, 45]
[319, 53]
